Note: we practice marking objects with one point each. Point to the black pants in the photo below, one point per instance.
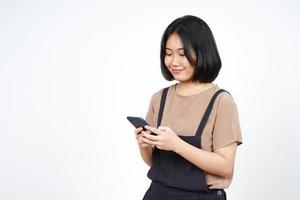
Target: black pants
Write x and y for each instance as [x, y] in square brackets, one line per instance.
[158, 191]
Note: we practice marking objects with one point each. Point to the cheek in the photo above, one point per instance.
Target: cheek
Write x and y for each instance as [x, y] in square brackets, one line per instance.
[167, 61]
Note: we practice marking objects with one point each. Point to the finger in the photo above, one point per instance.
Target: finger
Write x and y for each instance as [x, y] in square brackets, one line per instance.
[164, 128]
[151, 137]
[143, 133]
[138, 130]
[146, 140]
[149, 132]
[137, 134]
[142, 142]
[140, 135]
[152, 129]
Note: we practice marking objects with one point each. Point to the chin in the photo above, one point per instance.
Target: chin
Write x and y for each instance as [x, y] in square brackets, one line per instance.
[181, 79]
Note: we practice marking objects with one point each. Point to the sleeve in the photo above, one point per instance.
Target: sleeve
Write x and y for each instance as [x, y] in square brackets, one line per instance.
[150, 115]
[227, 126]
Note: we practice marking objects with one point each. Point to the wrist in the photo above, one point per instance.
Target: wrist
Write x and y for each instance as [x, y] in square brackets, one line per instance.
[147, 148]
[178, 145]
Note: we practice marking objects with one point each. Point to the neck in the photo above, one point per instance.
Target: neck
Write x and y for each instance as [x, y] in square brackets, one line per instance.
[187, 88]
[192, 85]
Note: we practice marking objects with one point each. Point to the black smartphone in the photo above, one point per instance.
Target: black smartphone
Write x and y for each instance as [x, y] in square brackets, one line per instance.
[138, 122]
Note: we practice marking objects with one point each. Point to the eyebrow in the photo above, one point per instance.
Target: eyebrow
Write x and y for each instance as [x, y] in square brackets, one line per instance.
[177, 49]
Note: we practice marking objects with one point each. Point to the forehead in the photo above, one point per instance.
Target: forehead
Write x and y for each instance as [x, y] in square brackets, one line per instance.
[174, 42]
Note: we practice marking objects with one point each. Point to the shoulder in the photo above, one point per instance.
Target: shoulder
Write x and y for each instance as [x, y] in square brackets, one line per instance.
[226, 98]
[226, 101]
[156, 96]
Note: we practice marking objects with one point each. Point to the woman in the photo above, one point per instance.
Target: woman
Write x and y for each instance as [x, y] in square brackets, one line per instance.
[192, 156]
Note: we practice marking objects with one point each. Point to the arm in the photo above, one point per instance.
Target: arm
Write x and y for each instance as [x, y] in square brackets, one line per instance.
[145, 149]
[146, 154]
[220, 162]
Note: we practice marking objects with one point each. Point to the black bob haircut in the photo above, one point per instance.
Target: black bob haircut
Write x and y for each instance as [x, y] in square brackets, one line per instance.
[196, 37]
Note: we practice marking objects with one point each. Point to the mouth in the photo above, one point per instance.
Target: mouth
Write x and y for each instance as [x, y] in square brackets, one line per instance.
[176, 71]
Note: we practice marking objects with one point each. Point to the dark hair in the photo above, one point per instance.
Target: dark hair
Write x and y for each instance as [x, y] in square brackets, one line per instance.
[196, 36]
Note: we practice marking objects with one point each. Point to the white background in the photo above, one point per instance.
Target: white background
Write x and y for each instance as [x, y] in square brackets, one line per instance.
[71, 71]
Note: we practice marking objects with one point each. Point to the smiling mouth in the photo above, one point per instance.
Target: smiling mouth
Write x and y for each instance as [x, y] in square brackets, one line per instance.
[176, 71]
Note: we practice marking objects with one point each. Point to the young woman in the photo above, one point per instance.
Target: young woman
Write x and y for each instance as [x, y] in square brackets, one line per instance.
[197, 126]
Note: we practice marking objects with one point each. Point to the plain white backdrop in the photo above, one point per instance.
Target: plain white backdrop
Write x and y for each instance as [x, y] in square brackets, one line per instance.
[71, 71]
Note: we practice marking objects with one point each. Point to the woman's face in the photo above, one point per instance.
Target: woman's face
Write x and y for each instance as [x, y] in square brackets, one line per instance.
[176, 61]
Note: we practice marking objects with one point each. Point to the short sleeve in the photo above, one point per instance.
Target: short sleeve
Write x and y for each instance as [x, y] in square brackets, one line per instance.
[152, 113]
[227, 126]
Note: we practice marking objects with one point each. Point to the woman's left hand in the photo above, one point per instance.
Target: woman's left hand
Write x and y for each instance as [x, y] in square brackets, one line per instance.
[166, 138]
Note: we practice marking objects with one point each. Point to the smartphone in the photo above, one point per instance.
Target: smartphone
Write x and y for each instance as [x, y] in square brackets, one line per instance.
[138, 122]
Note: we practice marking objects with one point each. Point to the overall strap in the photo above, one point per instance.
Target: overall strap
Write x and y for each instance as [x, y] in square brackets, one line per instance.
[162, 105]
[207, 112]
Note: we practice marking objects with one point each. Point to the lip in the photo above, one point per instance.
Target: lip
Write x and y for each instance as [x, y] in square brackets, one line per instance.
[176, 71]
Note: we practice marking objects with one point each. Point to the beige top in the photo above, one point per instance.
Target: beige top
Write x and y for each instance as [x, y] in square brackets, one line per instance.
[184, 113]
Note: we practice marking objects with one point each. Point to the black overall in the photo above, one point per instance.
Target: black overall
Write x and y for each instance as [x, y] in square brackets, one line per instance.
[175, 178]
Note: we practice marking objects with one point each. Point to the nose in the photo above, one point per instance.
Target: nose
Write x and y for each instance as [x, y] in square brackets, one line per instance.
[175, 60]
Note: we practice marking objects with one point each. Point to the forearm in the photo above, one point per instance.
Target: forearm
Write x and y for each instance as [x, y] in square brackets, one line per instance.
[146, 154]
[210, 162]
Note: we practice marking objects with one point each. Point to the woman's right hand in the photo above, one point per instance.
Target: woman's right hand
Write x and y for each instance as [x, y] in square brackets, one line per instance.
[139, 133]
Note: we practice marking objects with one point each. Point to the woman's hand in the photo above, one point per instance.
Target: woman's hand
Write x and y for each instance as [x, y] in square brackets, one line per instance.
[166, 138]
[139, 135]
